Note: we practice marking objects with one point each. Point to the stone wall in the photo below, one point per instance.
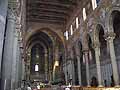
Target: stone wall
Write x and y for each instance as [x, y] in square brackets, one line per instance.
[101, 15]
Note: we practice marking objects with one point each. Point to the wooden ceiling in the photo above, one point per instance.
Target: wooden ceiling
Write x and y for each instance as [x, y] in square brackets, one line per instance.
[50, 11]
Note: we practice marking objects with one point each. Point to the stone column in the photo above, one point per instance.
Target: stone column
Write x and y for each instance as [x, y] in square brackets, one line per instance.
[46, 65]
[50, 65]
[13, 77]
[85, 55]
[56, 59]
[73, 72]
[8, 52]
[97, 56]
[73, 68]
[78, 64]
[17, 67]
[28, 64]
[3, 14]
[110, 37]
[79, 70]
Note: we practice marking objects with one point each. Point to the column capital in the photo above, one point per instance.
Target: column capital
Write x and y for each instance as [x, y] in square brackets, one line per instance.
[46, 54]
[85, 50]
[96, 44]
[109, 36]
[11, 14]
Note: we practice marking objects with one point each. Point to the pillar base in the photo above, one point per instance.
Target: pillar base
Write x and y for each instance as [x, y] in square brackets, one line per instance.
[88, 86]
[100, 86]
[117, 85]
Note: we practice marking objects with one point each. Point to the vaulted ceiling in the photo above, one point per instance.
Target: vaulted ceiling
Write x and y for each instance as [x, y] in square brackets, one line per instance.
[50, 11]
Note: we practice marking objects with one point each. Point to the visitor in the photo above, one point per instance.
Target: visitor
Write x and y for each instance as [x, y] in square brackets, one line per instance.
[67, 88]
[29, 88]
[105, 83]
[112, 81]
[94, 82]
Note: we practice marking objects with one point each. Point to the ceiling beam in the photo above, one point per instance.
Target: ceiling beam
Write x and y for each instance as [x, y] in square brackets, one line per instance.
[46, 15]
[49, 18]
[68, 4]
[59, 10]
[32, 11]
[45, 21]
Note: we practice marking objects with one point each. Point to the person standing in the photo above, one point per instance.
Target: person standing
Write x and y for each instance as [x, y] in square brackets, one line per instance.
[29, 88]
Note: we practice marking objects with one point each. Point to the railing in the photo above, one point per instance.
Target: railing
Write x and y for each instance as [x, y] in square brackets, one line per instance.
[83, 88]
[92, 88]
[46, 89]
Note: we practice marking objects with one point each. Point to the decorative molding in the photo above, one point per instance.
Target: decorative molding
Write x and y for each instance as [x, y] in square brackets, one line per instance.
[109, 35]
[96, 44]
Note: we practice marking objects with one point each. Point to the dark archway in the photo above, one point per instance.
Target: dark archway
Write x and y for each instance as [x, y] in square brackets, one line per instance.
[43, 47]
[116, 27]
[103, 43]
[37, 58]
[91, 51]
[39, 45]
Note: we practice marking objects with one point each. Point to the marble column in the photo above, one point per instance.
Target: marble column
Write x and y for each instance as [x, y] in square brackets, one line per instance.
[17, 67]
[110, 37]
[73, 67]
[46, 65]
[28, 64]
[85, 55]
[15, 45]
[3, 14]
[78, 63]
[79, 69]
[50, 65]
[73, 72]
[8, 52]
[56, 60]
[97, 56]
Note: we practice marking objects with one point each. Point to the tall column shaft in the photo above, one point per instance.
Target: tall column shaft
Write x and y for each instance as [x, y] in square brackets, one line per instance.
[110, 37]
[46, 65]
[13, 82]
[87, 68]
[79, 70]
[8, 52]
[73, 72]
[97, 49]
[17, 67]
[3, 14]
[114, 62]
[56, 61]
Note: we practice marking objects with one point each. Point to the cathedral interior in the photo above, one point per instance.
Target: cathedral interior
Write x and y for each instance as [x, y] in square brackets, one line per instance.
[58, 43]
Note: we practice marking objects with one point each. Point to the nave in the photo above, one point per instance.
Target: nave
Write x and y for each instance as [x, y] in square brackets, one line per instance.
[59, 44]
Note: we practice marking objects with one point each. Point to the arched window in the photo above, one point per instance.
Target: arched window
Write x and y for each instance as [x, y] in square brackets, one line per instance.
[71, 30]
[77, 22]
[116, 28]
[36, 68]
[91, 50]
[95, 3]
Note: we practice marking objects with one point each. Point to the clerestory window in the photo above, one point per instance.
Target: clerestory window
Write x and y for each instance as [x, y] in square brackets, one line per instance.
[36, 68]
[84, 14]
